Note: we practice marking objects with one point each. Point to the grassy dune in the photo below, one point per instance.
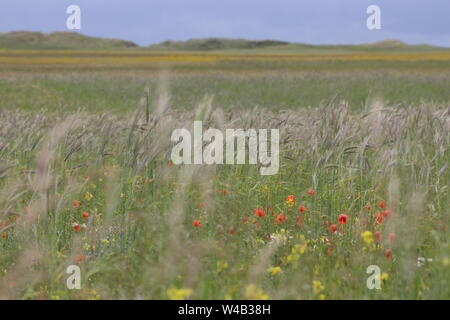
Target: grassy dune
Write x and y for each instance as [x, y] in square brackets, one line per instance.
[86, 177]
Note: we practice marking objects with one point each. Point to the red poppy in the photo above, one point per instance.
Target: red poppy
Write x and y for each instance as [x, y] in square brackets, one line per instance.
[79, 258]
[379, 217]
[333, 228]
[386, 212]
[378, 236]
[342, 218]
[381, 204]
[388, 253]
[196, 223]
[76, 226]
[302, 208]
[201, 205]
[76, 203]
[85, 214]
[299, 220]
[392, 236]
[290, 198]
[225, 191]
[310, 192]
[281, 217]
[259, 212]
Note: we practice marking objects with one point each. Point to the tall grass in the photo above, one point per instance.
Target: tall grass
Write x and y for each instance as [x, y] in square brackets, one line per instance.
[139, 241]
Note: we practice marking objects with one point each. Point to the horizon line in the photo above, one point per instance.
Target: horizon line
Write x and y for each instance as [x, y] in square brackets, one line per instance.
[228, 38]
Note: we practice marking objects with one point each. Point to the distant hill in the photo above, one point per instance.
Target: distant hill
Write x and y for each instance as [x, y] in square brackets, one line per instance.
[73, 40]
[216, 44]
[58, 40]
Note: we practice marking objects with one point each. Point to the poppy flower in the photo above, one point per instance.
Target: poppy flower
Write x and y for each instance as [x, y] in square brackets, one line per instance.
[386, 212]
[378, 236]
[76, 203]
[381, 204]
[302, 208]
[310, 192]
[333, 228]
[76, 226]
[196, 223]
[281, 217]
[79, 258]
[388, 253]
[392, 236]
[290, 198]
[225, 191]
[85, 214]
[379, 217]
[342, 218]
[201, 205]
[259, 212]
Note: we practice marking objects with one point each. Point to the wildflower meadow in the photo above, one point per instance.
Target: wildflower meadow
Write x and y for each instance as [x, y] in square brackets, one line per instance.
[224, 150]
[99, 191]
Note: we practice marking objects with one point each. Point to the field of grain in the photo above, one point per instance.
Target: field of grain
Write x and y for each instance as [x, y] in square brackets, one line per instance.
[86, 176]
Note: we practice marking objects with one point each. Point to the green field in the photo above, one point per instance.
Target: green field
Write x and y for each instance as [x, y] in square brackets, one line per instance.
[369, 136]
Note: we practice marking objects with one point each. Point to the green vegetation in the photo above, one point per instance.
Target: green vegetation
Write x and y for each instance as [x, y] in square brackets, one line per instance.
[216, 44]
[77, 41]
[58, 40]
[275, 92]
[86, 176]
[100, 192]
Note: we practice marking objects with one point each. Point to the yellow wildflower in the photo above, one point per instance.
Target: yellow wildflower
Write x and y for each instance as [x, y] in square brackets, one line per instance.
[252, 292]
[274, 270]
[178, 294]
[220, 266]
[88, 196]
[367, 237]
[317, 286]
[300, 248]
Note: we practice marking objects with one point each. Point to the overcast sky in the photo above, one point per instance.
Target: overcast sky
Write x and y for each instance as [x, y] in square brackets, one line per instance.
[312, 21]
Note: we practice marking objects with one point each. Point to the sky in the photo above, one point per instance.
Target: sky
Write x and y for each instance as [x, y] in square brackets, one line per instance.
[309, 21]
